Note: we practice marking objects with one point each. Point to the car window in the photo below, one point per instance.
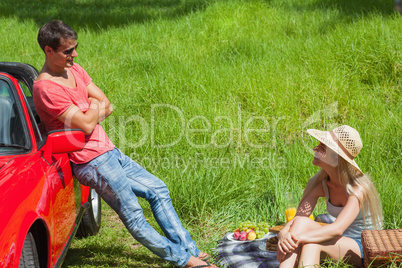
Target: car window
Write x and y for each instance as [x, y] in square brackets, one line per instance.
[13, 132]
[25, 89]
[37, 126]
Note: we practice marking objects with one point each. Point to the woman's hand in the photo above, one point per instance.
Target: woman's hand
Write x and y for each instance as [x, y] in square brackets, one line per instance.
[286, 243]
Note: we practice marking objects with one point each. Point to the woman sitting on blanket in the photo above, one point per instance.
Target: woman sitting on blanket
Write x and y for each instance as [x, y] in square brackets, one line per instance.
[352, 203]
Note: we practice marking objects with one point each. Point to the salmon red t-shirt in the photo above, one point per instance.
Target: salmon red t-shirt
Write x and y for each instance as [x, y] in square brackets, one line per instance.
[52, 100]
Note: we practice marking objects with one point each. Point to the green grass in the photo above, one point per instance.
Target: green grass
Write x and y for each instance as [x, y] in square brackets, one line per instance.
[214, 97]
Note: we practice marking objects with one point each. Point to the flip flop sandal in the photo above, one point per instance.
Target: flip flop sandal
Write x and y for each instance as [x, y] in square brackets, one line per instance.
[207, 257]
[203, 265]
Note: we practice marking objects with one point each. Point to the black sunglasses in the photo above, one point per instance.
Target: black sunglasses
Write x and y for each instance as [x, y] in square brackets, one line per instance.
[70, 51]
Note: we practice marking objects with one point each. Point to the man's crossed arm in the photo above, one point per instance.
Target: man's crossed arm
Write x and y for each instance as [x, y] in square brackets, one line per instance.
[99, 109]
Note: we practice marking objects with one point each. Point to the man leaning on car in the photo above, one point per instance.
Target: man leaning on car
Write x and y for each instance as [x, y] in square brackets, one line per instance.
[65, 97]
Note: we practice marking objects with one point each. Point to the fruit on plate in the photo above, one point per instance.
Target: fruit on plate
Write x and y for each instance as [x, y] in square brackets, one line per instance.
[243, 236]
[236, 235]
[250, 231]
[251, 235]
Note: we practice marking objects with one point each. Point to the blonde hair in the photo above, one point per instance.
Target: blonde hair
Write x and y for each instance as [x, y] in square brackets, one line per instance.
[353, 180]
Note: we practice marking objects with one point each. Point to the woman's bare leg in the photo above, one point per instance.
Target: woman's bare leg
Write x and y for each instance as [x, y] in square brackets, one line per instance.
[300, 225]
[290, 260]
[341, 248]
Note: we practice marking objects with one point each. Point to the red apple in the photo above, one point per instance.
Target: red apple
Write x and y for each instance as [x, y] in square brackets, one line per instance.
[243, 236]
[236, 235]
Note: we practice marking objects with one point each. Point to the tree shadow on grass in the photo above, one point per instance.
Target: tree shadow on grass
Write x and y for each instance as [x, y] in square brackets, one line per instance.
[347, 8]
[344, 12]
[96, 15]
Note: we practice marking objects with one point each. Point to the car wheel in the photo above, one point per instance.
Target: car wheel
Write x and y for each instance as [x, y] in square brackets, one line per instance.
[29, 256]
[91, 220]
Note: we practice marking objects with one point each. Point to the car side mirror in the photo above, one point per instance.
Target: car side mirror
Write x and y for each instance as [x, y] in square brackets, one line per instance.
[63, 141]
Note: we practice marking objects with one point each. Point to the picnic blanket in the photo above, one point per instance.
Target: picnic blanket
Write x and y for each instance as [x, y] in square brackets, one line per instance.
[244, 254]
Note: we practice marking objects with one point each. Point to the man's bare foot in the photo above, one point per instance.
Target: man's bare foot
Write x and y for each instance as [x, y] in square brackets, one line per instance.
[203, 256]
[198, 263]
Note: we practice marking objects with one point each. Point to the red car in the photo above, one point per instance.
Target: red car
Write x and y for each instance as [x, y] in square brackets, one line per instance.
[42, 205]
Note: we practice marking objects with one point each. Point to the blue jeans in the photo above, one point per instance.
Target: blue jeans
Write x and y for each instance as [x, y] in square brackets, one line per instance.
[119, 181]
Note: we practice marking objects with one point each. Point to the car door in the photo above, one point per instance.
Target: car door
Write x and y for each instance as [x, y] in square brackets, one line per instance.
[63, 202]
[59, 189]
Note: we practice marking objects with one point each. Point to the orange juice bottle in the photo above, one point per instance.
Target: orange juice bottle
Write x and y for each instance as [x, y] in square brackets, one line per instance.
[291, 210]
[291, 206]
[290, 213]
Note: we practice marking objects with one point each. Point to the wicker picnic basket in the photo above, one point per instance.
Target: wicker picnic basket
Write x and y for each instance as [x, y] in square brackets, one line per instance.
[382, 248]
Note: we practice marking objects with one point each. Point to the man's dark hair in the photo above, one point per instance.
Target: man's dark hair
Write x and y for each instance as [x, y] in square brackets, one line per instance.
[51, 33]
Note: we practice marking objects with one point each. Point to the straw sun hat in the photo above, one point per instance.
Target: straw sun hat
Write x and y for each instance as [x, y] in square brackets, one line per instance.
[343, 140]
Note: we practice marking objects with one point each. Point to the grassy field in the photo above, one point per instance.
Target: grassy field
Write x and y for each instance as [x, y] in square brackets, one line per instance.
[215, 97]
